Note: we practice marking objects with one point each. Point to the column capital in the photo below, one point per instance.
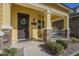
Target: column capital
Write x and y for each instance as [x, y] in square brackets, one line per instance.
[49, 11]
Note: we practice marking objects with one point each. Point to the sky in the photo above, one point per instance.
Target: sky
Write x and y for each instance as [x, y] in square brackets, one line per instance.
[72, 5]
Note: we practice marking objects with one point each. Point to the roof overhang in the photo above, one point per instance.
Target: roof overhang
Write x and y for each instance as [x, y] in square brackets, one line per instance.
[65, 7]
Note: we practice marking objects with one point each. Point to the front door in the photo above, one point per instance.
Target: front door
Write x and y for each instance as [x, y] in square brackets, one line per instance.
[23, 26]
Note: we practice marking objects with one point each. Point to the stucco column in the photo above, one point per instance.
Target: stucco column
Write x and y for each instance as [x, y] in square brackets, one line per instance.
[68, 29]
[48, 26]
[6, 27]
[6, 14]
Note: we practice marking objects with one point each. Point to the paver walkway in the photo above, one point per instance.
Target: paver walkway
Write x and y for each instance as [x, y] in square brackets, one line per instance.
[31, 48]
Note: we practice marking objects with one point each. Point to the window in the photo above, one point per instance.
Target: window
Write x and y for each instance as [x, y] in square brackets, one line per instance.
[40, 24]
[43, 24]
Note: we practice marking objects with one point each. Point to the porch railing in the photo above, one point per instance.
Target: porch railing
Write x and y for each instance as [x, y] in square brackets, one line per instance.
[57, 34]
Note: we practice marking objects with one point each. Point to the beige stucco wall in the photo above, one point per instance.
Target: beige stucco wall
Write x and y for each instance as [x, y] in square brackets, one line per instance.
[33, 14]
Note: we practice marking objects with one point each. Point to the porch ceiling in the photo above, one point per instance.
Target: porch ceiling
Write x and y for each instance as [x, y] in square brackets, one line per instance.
[56, 18]
[30, 5]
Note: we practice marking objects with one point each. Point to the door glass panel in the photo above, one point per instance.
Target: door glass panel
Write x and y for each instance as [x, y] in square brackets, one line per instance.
[39, 24]
[40, 28]
[42, 23]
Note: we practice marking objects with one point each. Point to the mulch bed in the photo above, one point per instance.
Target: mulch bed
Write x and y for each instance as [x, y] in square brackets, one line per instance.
[72, 48]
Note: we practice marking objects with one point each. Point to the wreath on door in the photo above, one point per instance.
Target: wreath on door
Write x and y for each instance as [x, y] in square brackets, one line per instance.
[23, 22]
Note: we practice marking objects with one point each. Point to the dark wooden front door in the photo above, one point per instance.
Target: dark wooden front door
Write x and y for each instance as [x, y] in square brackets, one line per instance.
[23, 26]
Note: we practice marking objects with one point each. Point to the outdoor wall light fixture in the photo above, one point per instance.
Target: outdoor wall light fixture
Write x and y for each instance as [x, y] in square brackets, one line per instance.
[33, 19]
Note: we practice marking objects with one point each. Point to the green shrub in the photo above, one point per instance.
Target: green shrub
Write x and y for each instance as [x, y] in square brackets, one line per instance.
[9, 52]
[57, 49]
[63, 43]
[74, 40]
[49, 45]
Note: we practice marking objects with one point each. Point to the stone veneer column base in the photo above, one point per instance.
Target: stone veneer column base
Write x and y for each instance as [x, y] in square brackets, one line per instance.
[14, 43]
[8, 33]
[1, 40]
[47, 34]
[68, 33]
